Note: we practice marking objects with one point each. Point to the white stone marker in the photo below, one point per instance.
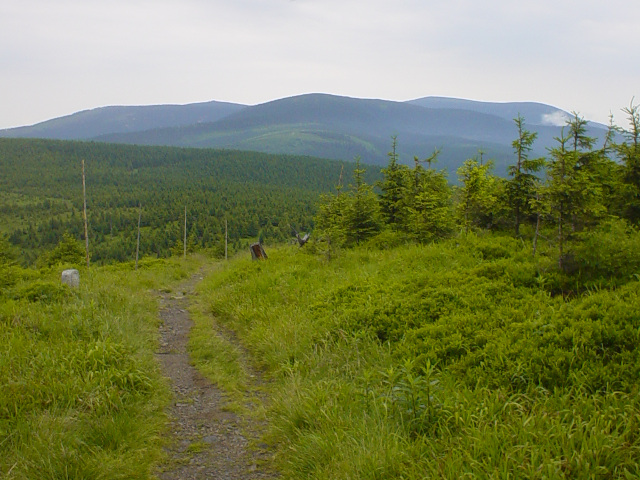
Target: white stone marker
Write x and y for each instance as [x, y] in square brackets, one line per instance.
[71, 277]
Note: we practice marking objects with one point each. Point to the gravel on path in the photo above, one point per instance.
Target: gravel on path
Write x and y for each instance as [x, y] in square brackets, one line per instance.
[208, 441]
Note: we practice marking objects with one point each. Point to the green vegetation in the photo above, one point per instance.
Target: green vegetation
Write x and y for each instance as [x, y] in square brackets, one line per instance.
[509, 349]
[441, 360]
[81, 395]
[485, 330]
[261, 196]
[216, 355]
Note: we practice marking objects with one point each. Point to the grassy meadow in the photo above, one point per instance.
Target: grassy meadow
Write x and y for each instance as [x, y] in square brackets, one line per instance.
[81, 394]
[468, 358]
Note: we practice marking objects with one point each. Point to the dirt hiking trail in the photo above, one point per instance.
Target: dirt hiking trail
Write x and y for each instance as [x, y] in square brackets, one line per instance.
[207, 441]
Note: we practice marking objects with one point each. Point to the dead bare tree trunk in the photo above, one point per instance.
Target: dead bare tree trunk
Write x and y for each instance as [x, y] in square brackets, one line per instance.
[535, 235]
[560, 241]
[138, 241]
[185, 233]
[84, 214]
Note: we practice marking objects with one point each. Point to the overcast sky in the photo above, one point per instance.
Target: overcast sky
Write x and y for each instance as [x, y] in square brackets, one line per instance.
[59, 57]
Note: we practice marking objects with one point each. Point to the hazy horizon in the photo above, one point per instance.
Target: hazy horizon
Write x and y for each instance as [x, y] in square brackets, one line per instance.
[64, 57]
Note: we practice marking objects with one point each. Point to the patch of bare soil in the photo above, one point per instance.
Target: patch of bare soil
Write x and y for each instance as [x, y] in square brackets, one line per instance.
[208, 442]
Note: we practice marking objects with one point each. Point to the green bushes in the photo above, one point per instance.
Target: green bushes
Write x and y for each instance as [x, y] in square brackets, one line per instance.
[67, 252]
[608, 253]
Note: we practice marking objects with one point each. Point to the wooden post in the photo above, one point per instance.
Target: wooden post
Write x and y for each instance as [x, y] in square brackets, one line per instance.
[535, 236]
[226, 241]
[138, 242]
[185, 231]
[84, 214]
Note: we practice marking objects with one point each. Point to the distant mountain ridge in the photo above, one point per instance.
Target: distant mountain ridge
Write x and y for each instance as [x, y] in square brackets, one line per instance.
[322, 125]
[88, 124]
[535, 113]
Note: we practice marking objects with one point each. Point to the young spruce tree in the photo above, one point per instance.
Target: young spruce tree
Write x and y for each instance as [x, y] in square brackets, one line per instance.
[477, 195]
[348, 218]
[392, 188]
[362, 218]
[521, 189]
[629, 153]
[574, 191]
[428, 206]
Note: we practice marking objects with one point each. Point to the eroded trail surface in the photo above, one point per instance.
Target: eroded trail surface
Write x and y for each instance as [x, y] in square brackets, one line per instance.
[207, 441]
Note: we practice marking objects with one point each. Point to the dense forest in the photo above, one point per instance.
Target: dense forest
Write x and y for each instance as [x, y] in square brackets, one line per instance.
[261, 196]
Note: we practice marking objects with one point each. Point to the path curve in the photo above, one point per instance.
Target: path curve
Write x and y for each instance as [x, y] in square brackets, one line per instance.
[207, 441]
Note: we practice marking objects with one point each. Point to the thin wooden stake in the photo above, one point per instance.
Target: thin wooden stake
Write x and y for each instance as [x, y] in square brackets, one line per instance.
[185, 232]
[138, 242]
[84, 214]
[226, 240]
[535, 236]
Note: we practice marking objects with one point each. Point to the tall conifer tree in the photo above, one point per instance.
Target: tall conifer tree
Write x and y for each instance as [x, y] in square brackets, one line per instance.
[521, 189]
[363, 212]
[629, 153]
[392, 187]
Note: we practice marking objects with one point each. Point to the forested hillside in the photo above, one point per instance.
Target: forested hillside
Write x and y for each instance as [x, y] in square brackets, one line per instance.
[260, 196]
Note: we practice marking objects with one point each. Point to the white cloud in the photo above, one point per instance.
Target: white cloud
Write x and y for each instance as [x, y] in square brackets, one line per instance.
[556, 119]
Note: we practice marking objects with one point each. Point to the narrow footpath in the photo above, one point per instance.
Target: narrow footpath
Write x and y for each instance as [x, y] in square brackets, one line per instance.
[207, 441]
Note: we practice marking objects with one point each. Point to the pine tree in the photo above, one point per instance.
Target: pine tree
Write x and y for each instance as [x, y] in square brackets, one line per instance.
[574, 190]
[68, 250]
[587, 202]
[330, 219]
[629, 154]
[392, 187]
[7, 252]
[477, 195]
[362, 219]
[429, 216]
[521, 189]
[561, 189]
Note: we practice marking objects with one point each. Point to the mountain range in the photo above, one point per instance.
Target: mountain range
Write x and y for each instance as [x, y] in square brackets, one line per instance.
[322, 125]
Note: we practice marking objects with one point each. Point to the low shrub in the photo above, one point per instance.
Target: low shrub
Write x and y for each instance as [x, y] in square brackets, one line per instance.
[608, 252]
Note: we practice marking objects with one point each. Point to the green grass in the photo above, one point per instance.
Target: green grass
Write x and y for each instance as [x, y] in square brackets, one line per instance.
[214, 352]
[81, 395]
[455, 360]
[221, 357]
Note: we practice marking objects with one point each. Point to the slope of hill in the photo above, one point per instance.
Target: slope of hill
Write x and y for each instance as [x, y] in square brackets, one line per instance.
[119, 119]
